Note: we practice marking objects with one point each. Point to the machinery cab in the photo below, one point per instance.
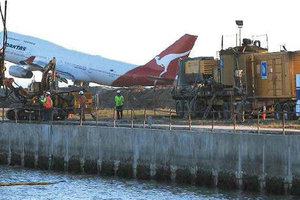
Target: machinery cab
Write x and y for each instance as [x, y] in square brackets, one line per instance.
[194, 71]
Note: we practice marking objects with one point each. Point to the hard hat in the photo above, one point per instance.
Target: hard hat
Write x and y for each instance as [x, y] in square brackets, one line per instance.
[118, 92]
[81, 93]
[48, 93]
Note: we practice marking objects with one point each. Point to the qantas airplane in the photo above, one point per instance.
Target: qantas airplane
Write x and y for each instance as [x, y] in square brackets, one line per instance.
[32, 54]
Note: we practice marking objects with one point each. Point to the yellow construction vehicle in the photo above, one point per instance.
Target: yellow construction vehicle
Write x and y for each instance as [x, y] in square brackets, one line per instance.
[65, 101]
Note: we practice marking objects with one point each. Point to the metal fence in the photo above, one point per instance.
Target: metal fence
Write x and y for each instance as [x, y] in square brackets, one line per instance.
[166, 119]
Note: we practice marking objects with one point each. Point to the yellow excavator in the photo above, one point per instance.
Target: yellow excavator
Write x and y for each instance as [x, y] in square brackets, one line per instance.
[65, 100]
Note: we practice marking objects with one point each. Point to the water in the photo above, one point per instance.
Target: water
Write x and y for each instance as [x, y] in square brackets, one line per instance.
[74, 186]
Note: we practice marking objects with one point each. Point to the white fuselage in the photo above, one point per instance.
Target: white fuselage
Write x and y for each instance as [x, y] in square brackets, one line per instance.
[33, 54]
[80, 66]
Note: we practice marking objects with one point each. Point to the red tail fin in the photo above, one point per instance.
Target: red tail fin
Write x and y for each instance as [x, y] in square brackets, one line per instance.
[162, 66]
[167, 61]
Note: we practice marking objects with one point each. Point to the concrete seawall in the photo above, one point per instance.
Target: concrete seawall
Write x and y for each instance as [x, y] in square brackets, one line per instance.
[268, 163]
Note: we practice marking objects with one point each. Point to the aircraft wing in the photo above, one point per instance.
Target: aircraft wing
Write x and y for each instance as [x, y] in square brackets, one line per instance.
[35, 63]
[63, 76]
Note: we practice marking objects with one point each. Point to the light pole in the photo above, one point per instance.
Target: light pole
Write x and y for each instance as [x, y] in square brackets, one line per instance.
[240, 24]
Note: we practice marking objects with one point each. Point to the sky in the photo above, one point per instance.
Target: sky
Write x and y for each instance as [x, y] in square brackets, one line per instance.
[135, 31]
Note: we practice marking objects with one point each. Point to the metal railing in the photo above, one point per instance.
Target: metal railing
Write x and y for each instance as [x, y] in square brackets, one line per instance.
[165, 119]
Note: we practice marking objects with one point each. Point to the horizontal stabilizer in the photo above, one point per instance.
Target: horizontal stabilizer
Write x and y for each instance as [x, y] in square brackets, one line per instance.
[163, 79]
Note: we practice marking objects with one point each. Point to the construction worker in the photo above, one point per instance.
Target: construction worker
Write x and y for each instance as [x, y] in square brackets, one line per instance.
[82, 105]
[47, 105]
[119, 102]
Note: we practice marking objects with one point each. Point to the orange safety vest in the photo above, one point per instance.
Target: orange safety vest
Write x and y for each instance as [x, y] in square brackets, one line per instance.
[48, 102]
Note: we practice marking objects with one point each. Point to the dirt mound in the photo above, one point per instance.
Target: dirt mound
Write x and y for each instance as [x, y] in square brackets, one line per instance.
[135, 98]
[138, 98]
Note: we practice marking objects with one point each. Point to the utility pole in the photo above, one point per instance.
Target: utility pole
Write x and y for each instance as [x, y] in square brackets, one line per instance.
[2, 57]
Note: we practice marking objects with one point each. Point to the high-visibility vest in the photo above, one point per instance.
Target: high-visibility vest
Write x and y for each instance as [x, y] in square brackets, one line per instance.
[119, 100]
[48, 102]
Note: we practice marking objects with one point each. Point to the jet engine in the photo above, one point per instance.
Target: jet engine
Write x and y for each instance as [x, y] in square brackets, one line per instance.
[18, 71]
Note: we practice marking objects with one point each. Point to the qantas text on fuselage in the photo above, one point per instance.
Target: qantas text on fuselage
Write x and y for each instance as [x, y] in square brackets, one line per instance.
[32, 54]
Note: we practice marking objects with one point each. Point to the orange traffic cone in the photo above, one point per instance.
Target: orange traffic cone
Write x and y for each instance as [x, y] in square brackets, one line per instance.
[264, 113]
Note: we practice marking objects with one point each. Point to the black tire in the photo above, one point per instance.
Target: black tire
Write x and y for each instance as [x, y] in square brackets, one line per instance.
[277, 111]
[61, 117]
[287, 112]
[10, 114]
[226, 112]
[22, 115]
[186, 110]
[179, 109]
[198, 109]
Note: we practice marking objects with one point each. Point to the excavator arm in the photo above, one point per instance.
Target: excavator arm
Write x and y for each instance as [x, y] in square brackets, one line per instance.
[8, 82]
[50, 66]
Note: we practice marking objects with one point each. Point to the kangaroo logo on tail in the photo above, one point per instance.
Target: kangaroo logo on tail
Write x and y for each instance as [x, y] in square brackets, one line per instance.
[162, 69]
[165, 61]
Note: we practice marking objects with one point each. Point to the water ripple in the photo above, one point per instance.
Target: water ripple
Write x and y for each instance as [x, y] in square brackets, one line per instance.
[77, 186]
